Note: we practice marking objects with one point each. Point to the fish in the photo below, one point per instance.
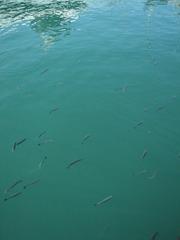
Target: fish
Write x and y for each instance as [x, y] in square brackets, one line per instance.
[13, 185]
[103, 201]
[144, 171]
[154, 236]
[45, 142]
[74, 162]
[17, 143]
[41, 164]
[153, 175]
[30, 184]
[53, 110]
[85, 139]
[14, 147]
[124, 89]
[12, 196]
[44, 71]
[20, 142]
[144, 154]
[138, 124]
[43, 133]
[160, 108]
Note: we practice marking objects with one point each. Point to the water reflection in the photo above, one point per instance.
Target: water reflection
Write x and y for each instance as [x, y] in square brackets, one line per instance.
[150, 5]
[154, 3]
[48, 18]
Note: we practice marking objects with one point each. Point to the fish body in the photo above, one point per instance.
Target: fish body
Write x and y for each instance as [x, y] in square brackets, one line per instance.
[144, 154]
[153, 175]
[44, 71]
[144, 171]
[85, 139]
[42, 134]
[124, 89]
[18, 143]
[14, 147]
[74, 162]
[160, 108]
[13, 185]
[103, 201]
[41, 164]
[53, 110]
[45, 142]
[138, 124]
[13, 196]
[30, 184]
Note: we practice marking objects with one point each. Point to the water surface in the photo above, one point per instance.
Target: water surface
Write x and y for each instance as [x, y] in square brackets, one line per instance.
[104, 69]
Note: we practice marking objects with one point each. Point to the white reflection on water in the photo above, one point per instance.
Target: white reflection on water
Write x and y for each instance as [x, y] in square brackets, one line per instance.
[48, 18]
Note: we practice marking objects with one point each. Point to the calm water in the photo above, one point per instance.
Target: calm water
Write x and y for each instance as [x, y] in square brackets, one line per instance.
[106, 69]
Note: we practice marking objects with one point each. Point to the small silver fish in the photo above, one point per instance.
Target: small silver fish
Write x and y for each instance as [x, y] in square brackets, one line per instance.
[45, 142]
[53, 110]
[124, 88]
[160, 108]
[41, 164]
[42, 134]
[74, 162]
[18, 143]
[85, 139]
[13, 196]
[43, 72]
[144, 154]
[138, 124]
[103, 201]
[13, 185]
[14, 147]
[153, 175]
[30, 184]
[142, 172]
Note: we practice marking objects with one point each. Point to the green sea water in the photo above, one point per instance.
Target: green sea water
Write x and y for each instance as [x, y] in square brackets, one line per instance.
[100, 80]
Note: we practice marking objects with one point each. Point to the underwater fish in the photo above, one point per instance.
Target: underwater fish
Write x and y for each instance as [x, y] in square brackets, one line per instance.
[41, 164]
[160, 108]
[14, 147]
[124, 88]
[144, 154]
[154, 236]
[74, 162]
[85, 139]
[45, 142]
[18, 143]
[53, 110]
[44, 71]
[103, 201]
[30, 184]
[153, 175]
[42, 134]
[138, 124]
[144, 171]
[13, 185]
[13, 196]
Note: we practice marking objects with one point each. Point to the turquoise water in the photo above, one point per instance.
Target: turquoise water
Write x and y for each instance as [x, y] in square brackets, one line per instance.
[109, 70]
